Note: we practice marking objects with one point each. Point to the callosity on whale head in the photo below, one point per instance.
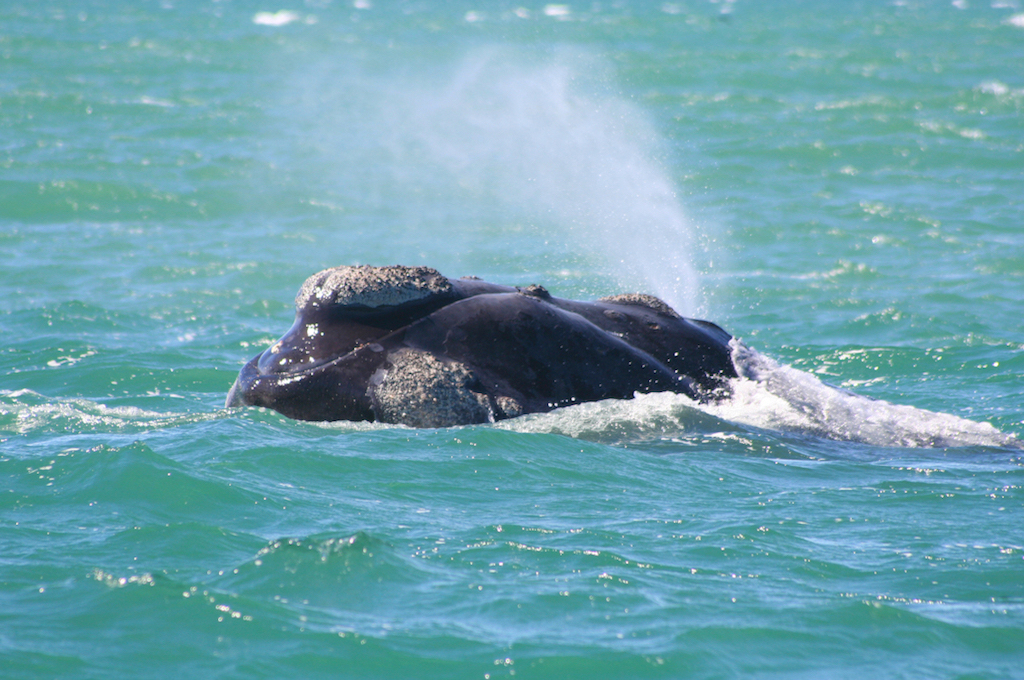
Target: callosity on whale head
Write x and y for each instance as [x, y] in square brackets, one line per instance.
[409, 345]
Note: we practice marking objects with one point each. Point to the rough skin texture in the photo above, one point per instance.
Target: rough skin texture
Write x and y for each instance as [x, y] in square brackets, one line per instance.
[368, 286]
[407, 345]
[422, 391]
[642, 300]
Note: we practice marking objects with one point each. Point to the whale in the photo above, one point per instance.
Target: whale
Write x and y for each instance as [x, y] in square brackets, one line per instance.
[407, 345]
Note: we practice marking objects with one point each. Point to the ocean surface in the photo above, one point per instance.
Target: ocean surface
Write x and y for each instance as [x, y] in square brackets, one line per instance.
[838, 184]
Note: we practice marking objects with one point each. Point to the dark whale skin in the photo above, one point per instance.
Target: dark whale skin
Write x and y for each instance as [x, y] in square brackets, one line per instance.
[407, 345]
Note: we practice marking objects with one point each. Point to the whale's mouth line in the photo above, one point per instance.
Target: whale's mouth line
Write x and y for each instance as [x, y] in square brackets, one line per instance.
[289, 376]
[376, 346]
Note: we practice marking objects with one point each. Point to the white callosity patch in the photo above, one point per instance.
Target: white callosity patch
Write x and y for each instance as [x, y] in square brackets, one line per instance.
[421, 390]
[642, 300]
[371, 286]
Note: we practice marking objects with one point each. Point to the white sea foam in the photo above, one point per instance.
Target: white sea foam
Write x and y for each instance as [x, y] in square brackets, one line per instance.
[661, 415]
[1015, 20]
[25, 411]
[767, 396]
[280, 18]
[771, 395]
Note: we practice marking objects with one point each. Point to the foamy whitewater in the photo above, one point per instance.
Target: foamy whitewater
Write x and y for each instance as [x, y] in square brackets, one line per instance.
[769, 396]
[775, 396]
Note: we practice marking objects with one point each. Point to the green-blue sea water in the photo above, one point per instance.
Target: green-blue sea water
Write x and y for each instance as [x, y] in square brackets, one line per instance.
[839, 184]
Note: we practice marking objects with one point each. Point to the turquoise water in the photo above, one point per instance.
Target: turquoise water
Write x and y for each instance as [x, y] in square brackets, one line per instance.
[841, 185]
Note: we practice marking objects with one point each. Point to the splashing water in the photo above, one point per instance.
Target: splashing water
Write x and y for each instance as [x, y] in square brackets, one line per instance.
[540, 136]
[771, 396]
[779, 397]
[543, 142]
[543, 137]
